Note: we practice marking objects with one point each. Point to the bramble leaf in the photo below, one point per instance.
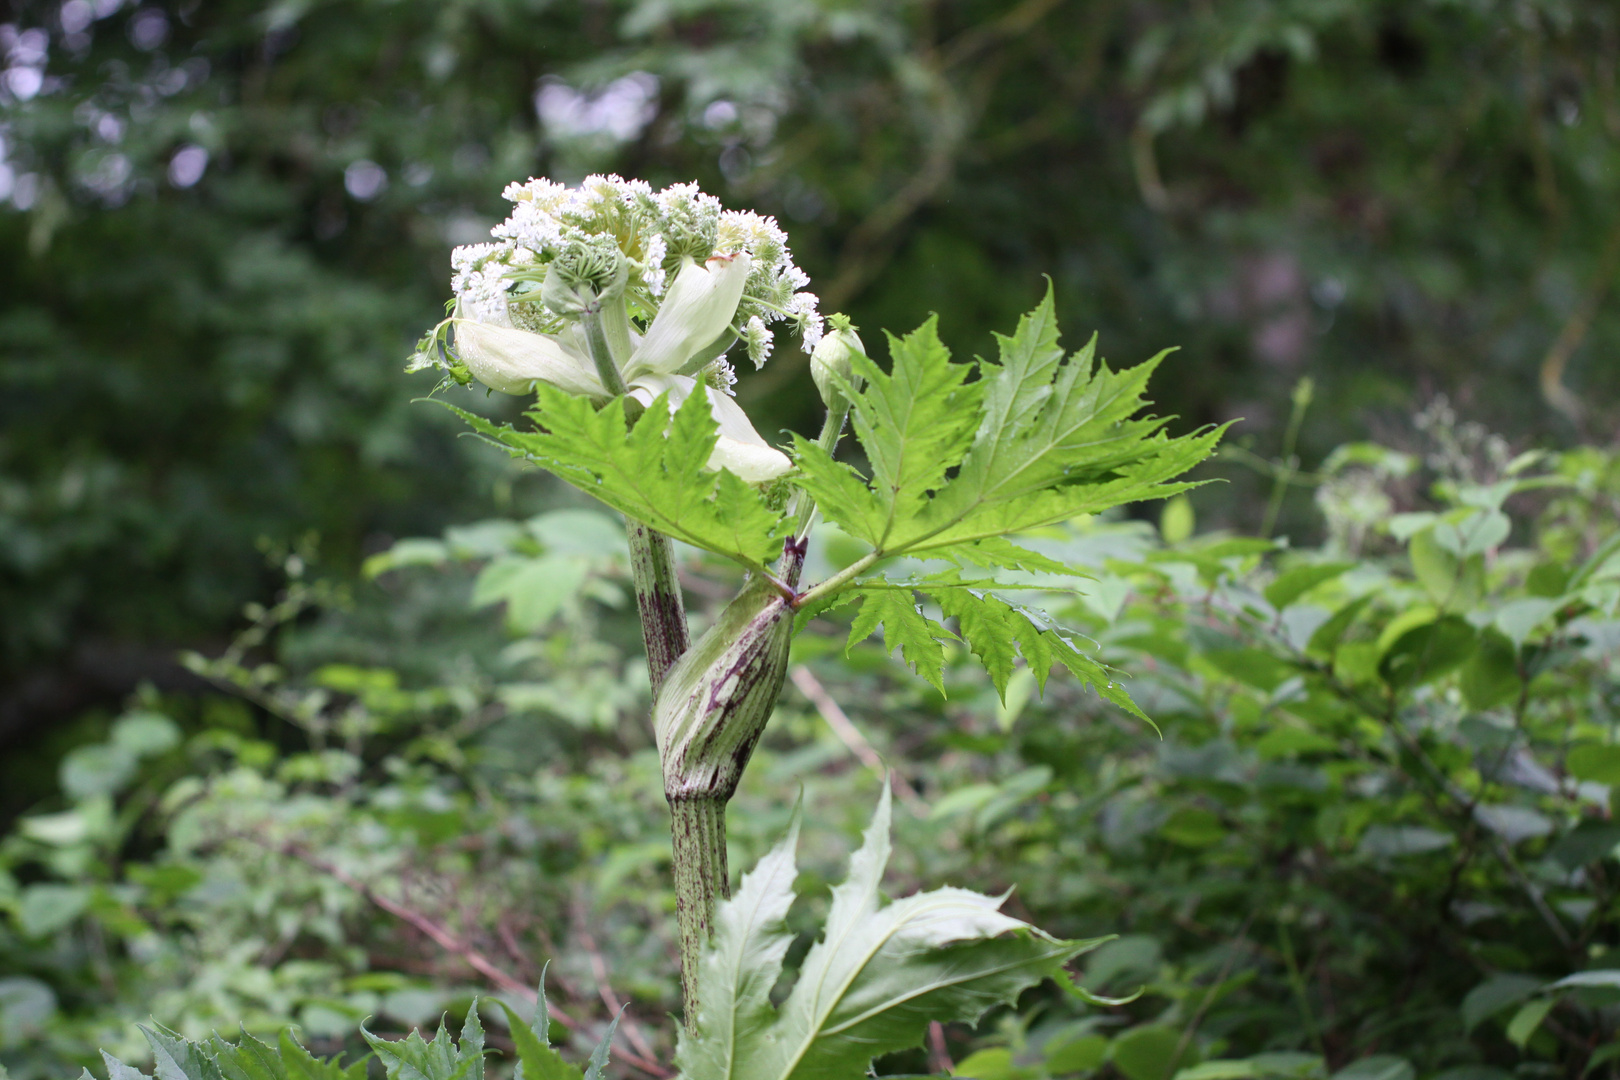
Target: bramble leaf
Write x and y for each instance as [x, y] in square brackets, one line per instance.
[651, 471]
[871, 985]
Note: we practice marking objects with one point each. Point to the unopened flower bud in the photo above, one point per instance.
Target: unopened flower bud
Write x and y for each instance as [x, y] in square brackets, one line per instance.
[833, 360]
[716, 699]
[584, 275]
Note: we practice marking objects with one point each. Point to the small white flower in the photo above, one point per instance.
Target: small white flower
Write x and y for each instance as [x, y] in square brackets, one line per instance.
[802, 308]
[654, 273]
[759, 340]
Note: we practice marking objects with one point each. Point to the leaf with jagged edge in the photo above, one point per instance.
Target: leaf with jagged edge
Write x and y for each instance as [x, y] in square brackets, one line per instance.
[870, 986]
[604, 1049]
[177, 1058]
[1000, 553]
[117, 1070]
[914, 422]
[904, 627]
[1048, 439]
[413, 1058]
[651, 471]
[250, 1059]
[536, 1058]
[988, 623]
[991, 624]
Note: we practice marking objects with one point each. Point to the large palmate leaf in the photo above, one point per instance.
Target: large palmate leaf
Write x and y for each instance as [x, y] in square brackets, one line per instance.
[649, 469]
[870, 986]
[1037, 439]
[957, 465]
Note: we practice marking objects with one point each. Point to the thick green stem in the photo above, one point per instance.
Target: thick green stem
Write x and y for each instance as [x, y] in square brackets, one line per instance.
[706, 741]
[652, 554]
[698, 829]
[658, 597]
[698, 825]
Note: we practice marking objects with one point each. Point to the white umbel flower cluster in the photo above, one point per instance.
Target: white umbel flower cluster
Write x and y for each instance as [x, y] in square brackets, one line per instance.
[611, 287]
[658, 232]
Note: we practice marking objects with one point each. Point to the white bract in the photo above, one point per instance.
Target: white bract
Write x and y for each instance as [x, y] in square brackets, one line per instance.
[665, 283]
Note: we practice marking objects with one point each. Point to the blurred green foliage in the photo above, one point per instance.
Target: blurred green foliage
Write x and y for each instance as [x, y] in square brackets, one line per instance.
[1375, 838]
[225, 222]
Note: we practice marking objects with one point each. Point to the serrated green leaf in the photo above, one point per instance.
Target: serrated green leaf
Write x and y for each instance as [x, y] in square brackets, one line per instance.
[990, 624]
[176, 1058]
[532, 1040]
[914, 422]
[652, 470]
[1000, 553]
[604, 1049]
[871, 985]
[983, 625]
[413, 1058]
[117, 1070]
[904, 627]
[1038, 439]
[250, 1059]
[536, 1059]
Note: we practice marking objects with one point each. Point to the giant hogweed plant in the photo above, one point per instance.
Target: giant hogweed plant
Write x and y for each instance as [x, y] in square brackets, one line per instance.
[617, 308]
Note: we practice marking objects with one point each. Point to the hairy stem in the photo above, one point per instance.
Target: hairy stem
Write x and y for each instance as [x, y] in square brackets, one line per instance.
[699, 787]
[658, 597]
[698, 828]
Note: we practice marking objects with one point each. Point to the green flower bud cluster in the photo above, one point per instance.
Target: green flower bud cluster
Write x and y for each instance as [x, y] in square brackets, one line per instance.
[588, 271]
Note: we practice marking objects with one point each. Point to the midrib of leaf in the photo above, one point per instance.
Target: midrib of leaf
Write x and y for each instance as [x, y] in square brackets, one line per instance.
[920, 543]
[939, 984]
[741, 960]
[899, 472]
[998, 451]
[820, 1030]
